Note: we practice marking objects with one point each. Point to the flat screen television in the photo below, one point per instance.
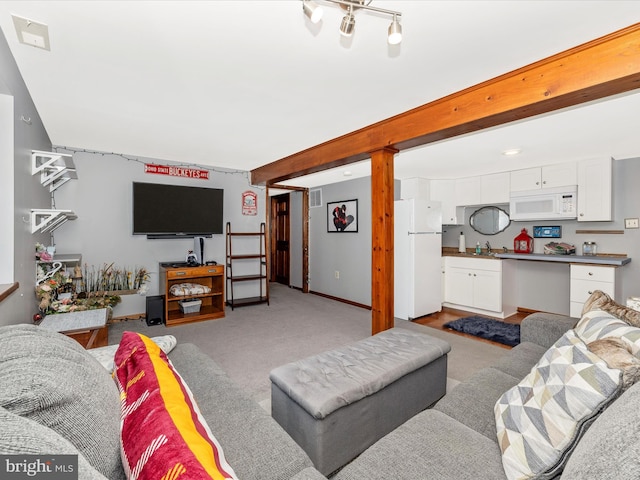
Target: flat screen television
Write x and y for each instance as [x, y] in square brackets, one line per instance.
[174, 211]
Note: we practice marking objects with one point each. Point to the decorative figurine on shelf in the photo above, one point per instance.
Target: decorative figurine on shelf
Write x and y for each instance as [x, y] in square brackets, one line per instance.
[523, 243]
[42, 254]
[192, 259]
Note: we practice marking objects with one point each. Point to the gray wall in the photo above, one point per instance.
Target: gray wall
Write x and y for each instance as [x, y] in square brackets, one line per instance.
[295, 240]
[545, 286]
[101, 197]
[28, 193]
[348, 253]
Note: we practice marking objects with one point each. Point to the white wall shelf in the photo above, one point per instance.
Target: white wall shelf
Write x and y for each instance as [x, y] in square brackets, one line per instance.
[47, 220]
[55, 169]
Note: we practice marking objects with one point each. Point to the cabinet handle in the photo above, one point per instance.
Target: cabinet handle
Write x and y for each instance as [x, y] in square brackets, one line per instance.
[590, 274]
[544, 182]
[213, 270]
[181, 273]
[537, 183]
[582, 214]
[589, 292]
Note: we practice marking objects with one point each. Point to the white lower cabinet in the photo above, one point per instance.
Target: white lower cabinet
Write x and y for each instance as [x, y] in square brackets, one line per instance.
[482, 285]
[586, 279]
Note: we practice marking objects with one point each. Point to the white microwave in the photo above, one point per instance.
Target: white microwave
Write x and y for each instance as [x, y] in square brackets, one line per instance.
[544, 204]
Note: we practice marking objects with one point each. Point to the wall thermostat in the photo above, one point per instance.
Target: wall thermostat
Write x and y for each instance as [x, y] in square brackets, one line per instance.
[547, 232]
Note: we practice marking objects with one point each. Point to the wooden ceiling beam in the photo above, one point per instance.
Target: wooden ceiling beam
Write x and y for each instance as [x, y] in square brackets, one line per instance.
[607, 66]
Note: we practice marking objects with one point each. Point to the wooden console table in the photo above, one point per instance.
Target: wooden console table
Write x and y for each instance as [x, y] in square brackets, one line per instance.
[88, 327]
[211, 276]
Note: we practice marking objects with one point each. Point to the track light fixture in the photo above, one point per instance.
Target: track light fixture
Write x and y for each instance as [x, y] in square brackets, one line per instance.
[348, 23]
[395, 31]
[313, 12]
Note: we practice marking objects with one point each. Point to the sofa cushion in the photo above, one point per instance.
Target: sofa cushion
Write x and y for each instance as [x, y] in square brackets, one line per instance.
[163, 432]
[610, 449]
[431, 446]
[245, 428]
[597, 324]
[472, 402]
[540, 420]
[518, 361]
[50, 379]
[21, 436]
[545, 329]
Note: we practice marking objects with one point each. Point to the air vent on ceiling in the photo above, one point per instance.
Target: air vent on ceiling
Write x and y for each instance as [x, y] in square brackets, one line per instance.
[315, 197]
[31, 33]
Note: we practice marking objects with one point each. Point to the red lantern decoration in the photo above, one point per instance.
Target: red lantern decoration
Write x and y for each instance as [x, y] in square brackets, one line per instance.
[523, 243]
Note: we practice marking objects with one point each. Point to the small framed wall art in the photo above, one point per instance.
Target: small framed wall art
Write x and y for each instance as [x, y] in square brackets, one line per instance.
[547, 232]
[342, 217]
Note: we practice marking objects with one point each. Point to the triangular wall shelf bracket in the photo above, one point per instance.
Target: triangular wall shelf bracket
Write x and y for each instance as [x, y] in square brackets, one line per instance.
[47, 220]
[55, 169]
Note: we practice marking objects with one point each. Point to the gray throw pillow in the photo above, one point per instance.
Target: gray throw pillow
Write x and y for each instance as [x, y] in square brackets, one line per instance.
[50, 379]
[21, 436]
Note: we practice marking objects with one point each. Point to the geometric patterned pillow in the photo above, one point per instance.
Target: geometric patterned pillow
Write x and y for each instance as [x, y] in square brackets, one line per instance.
[163, 433]
[597, 324]
[540, 420]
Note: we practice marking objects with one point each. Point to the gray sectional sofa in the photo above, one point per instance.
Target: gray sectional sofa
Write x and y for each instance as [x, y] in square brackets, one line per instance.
[55, 398]
[456, 439]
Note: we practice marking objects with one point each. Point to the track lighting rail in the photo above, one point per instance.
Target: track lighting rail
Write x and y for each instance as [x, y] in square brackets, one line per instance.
[363, 6]
[313, 12]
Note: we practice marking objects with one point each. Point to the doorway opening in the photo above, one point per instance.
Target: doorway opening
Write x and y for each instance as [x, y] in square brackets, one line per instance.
[288, 220]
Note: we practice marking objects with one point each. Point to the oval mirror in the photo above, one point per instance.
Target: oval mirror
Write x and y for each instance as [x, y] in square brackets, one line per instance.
[489, 220]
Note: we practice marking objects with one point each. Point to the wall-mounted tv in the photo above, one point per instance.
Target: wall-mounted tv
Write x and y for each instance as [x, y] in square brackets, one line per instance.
[174, 211]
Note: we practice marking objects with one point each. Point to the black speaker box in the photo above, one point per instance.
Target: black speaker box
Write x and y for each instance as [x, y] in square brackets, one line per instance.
[198, 249]
[155, 310]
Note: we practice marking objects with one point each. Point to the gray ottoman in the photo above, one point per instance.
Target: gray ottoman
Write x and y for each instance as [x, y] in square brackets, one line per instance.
[338, 403]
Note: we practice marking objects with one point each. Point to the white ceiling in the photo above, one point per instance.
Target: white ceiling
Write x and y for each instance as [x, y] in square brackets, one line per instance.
[239, 84]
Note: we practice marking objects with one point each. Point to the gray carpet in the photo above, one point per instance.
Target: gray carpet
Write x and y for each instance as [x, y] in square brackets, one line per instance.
[250, 341]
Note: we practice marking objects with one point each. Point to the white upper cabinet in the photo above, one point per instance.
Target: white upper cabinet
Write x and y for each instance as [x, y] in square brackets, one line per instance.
[594, 190]
[415, 188]
[468, 191]
[444, 191]
[482, 189]
[494, 188]
[549, 176]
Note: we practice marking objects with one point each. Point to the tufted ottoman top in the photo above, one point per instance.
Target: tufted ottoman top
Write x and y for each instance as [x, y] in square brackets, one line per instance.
[330, 380]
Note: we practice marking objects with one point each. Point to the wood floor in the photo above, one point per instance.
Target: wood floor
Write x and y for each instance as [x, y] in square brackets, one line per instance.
[438, 319]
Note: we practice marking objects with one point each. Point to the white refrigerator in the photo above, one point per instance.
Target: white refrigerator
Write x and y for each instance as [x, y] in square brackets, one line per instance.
[417, 258]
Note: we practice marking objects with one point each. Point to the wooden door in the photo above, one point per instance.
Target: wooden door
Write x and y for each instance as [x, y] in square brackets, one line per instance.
[280, 239]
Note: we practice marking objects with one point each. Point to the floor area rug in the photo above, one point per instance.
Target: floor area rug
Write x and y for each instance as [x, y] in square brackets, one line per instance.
[488, 328]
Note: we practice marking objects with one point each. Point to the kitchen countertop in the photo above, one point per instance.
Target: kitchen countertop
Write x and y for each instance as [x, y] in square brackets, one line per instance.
[616, 260]
[606, 259]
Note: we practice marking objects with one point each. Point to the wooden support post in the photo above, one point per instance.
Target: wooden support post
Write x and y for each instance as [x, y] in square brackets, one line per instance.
[382, 197]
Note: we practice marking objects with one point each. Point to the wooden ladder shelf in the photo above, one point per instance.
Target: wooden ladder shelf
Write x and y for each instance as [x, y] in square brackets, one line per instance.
[247, 262]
